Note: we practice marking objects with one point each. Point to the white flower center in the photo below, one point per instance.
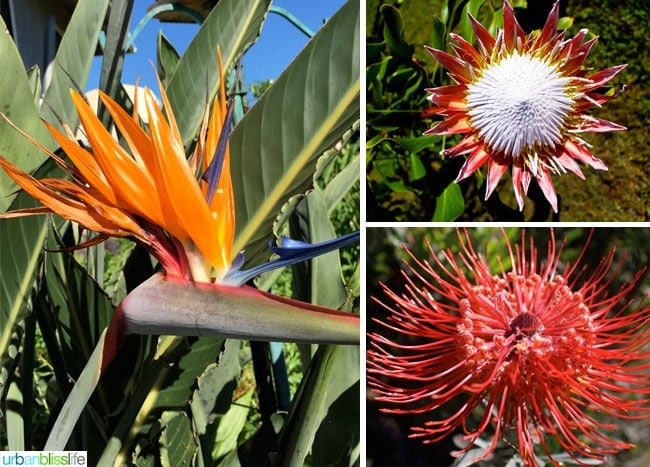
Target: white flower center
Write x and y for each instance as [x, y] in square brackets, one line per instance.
[519, 104]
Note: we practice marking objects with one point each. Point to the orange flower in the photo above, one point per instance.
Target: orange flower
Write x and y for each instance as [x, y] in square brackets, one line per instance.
[149, 192]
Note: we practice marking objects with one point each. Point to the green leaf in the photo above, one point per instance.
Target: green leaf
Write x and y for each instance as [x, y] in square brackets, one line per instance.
[334, 369]
[394, 33]
[21, 246]
[17, 103]
[416, 168]
[449, 205]
[334, 373]
[472, 8]
[177, 444]
[418, 143]
[77, 400]
[34, 77]
[275, 147]
[80, 307]
[9, 365]
[215, 386]
[444, 11]
[324, 284]
[231, 424]
[117, 31]
[340, 185]
[338, 434]
[73, 61]
[168, 58]
[565, 23]
[439, 34]
[203, 352]
[233, 26]
[15, 421]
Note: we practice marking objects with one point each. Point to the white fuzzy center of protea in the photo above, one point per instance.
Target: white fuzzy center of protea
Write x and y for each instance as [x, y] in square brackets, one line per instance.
[519, 105]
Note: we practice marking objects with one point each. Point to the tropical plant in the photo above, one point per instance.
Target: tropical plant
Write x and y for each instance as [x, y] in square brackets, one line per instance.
[186, 397]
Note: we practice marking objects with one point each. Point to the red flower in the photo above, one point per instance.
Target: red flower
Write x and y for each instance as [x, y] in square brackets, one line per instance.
[540, 348]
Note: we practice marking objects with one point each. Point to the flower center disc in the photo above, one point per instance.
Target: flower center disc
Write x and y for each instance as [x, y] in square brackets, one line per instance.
[519, 104]
[524, 324]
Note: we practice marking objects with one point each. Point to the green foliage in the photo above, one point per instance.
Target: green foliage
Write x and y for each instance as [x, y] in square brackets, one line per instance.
[170, 400]
[621, 193]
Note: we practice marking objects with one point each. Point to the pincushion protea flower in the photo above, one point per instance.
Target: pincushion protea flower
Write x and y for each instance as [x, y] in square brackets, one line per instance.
[540, 348]
[520, 102]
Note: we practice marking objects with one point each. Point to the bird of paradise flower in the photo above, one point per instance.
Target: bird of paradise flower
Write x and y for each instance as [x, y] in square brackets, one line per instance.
[182, 211]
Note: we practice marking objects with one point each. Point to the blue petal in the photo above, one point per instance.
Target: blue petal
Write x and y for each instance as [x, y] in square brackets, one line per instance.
[290, 252]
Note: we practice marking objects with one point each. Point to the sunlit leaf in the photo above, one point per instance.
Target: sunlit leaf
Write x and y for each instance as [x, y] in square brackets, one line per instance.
[232, 26]
[73, 61]
[449, 205]
[16, 95]
[275, 147]
[168, 58]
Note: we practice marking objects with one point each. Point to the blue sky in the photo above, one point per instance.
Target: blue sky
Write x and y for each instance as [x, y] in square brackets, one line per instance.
[278, 44]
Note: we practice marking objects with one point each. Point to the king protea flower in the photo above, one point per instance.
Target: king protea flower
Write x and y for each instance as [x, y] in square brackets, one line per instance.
[540, 347]
[151, 192]
[520, 102]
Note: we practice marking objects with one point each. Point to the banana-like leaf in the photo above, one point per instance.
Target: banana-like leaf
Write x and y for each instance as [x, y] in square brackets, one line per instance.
[233, 26]
[9, 361]
[21, 247]
[338, 436]
[16, 96]
[77, 400]
[82, 309]
[73, 61]
[34, 77]
[325, 282]
[333, 373]
[340, 185]
[274, 149]
[171, 388]
[217, 380]
[15, 421]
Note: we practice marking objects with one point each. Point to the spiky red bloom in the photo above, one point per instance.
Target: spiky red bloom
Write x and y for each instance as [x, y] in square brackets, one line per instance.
[540, 348]
[520, 101]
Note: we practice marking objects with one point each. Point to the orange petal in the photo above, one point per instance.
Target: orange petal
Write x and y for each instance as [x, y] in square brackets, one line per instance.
[170, 113]
[70, 209]
[85, 164]
[133, 186]
[184, 197]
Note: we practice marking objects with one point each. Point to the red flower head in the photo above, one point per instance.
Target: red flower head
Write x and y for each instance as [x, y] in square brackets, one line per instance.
[540, 348]
[520, 101]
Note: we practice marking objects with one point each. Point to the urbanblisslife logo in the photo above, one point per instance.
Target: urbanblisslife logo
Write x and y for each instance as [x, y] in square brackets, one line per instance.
[70, 458]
